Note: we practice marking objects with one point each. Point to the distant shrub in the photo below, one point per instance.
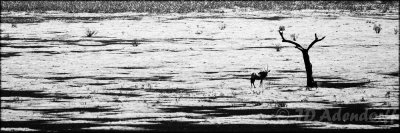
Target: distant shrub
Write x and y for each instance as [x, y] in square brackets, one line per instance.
[396, 31]
[90, 33]
[6, 37]
[294, 36]
[222, 26]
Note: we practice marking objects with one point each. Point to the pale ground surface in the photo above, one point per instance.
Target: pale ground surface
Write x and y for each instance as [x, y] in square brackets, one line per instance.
[188, 60]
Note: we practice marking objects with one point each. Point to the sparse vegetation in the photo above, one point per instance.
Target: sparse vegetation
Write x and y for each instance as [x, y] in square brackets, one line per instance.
[190, 6]
[90, 32]
[222, 26]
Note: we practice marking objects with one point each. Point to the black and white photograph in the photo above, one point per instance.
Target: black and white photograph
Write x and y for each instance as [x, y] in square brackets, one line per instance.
[199, 66]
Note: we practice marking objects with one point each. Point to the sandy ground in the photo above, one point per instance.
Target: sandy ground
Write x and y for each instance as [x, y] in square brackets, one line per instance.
[191, 71]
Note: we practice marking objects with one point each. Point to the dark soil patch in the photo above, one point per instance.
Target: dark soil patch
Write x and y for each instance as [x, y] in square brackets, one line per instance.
[54, 32]
[251, 68]
[84, 51]
[391, 73]
[56, 110]
[269, 47]
[9, 54]
[125, 89]
[135, 52]
[233, 71]
[326, 46]
[30, 46]
[177, 90]
[135, 42]
[22, 93]
[328, 77]
[210, 72]
[61, 73]
[46, 52]
[324, 115]
[277, 18]
[341, 84]
[66, 78]
[47, 125]
[21, 20]
[34, 94]
[131, 67]
[136, 79]
[99, 84]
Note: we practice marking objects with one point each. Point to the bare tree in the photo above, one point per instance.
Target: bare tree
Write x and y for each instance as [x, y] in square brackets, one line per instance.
[306, 57]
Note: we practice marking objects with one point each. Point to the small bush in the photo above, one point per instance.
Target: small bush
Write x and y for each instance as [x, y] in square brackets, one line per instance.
[90, 33]
[281, 28]
[396, 31]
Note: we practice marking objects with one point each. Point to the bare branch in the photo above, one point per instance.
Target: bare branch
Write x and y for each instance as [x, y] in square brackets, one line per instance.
[315, 41]
[298, 46]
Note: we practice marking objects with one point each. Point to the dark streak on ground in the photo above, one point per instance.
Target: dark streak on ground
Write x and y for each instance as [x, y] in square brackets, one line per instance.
[270, 47]
[132, 67]
[9, 54]
[125, 89]
[22, 93]
[66, 78]
[30, 46]
[136, 79]
[290, 71]
[46, 52]
[99, 84]
[391, 73]
[209, 72]
[341, 84]
[269, 18]
[121, 94]
[34, 94]
[84, 51]
[176, 90]
[82, 109]
[355, 108]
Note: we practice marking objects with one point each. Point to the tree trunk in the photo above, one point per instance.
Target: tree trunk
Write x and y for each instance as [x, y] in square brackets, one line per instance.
[307, 63]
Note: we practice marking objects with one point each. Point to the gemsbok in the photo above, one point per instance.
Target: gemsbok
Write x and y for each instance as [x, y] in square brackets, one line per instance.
[377, 28]
[260, 75]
